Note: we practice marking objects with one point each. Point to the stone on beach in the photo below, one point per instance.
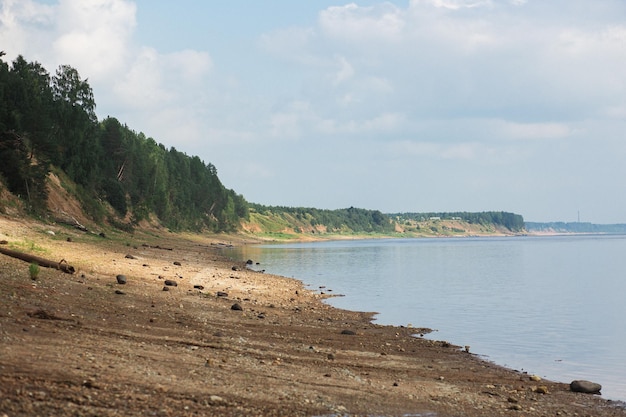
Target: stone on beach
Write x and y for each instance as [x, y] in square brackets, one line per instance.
[586, 387]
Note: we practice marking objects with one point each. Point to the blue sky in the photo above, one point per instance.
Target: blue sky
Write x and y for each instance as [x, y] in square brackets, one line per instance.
[420, 105]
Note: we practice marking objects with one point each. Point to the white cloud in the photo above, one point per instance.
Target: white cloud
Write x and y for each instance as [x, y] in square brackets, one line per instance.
[94, 35]
[345, 71]
[23, 27]
[357, 24]
[456, 4]
[535, 131]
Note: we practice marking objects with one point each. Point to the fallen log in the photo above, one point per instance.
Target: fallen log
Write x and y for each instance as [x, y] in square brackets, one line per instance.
[62, 265]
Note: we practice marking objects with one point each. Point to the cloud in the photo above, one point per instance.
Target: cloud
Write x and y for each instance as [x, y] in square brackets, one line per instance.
[535, 131]
[358, 24]
[93, 35]
[23, 27]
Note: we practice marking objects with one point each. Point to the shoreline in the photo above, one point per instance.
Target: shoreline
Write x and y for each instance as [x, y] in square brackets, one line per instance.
[488, 348]
[83, 344]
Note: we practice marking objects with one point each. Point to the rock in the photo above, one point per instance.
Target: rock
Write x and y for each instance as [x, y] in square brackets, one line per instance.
[222, 294]
[177, 263]
[69, 239]
[129, 256]
[198, 287]
[586, 387]
[119, 292]
[171, 283]
[236, 307]
[234, 268]
[348, 332]
[166, 288]
[249, 262]
[121, 279]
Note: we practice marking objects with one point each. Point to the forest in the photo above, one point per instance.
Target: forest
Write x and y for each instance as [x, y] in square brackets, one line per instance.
[48, 122]
[350, 220]
[513, 222]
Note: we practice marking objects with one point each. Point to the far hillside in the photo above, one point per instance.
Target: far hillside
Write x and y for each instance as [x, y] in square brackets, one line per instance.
[276, 223]
[575, 227]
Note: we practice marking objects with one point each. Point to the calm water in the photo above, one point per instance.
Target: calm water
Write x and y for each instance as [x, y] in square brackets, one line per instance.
[551, 306]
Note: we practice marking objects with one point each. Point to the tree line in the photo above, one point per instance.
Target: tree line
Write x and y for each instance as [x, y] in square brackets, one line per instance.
[351, 220]
[513, 222]
[49, 121]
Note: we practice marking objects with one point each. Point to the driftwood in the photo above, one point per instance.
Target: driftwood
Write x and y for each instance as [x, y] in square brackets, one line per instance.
[62, 265]
[145, 245]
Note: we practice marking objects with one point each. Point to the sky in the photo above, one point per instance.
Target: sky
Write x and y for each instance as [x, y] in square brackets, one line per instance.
[398, 106]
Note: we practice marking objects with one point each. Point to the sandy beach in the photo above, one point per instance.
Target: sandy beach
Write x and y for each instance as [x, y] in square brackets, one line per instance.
[191, 333]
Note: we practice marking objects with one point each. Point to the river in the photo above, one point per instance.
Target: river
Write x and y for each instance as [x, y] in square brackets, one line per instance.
[552, 306]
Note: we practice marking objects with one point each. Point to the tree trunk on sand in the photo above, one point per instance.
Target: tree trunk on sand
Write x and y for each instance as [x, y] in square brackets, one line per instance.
[62, 265]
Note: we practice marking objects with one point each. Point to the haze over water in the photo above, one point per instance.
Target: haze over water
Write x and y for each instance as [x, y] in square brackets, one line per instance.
[551, 306]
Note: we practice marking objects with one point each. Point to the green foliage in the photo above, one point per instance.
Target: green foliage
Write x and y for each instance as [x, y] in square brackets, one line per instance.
[510, 221]
[350, 220]
[51, 120]
[33, 270]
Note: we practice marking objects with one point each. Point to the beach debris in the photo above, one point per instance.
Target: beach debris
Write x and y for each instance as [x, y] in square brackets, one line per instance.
[586, 387]
[121, 279]
[535, 378]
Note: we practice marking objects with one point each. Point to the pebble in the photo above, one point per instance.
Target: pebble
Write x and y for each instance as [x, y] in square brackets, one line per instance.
[121, 279]
[236, 307]
[199, 287]
[348, 332]
[222, 294]
[119, 292]
[170, 283]
[177, 263]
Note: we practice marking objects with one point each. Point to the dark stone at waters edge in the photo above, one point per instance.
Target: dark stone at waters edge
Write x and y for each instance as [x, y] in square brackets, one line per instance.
[121, 279]
[586, 387]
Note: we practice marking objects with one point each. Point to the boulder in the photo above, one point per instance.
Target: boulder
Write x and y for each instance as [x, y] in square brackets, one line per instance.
[586, 387]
